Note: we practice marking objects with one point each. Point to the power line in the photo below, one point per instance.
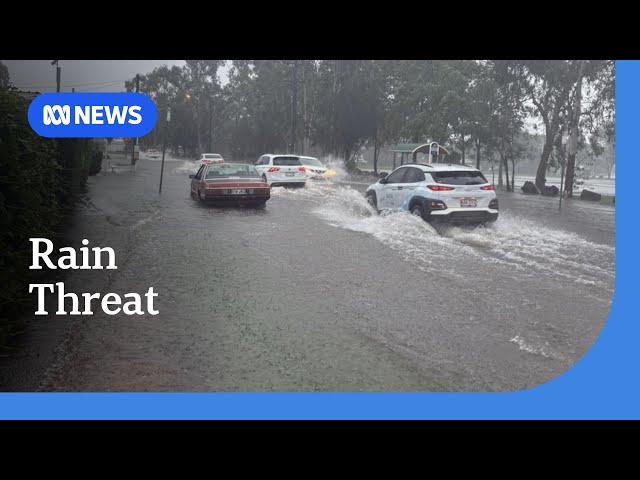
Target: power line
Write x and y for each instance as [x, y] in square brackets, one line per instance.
[112, 82]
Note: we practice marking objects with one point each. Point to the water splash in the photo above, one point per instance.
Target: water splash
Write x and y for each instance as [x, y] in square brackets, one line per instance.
[523, 245]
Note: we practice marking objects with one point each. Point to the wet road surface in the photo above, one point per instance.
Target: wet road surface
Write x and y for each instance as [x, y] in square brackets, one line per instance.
[317, 293]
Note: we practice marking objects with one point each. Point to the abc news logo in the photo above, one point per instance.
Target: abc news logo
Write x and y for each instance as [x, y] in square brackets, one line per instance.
[91, 115]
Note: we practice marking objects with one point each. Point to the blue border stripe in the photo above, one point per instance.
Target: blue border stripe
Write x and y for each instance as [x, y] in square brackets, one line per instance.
[603, 384]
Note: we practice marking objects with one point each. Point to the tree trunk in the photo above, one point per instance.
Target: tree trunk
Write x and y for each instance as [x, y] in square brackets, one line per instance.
[197, 122]
[541, 174]
[500, 174]
[478, 154]
[305, 119]
[463, 151]
[376, 151]
[505, 160]
[513, 173]
[575, 130]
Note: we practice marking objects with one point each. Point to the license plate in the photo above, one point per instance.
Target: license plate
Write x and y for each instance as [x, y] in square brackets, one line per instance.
[290, 174]
[468, 202]
[238, 191]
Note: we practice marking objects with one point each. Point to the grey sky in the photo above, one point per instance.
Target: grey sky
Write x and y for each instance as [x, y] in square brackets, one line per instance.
[84, 75]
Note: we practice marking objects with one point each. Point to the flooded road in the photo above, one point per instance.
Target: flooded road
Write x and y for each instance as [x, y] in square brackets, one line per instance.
[318, 293]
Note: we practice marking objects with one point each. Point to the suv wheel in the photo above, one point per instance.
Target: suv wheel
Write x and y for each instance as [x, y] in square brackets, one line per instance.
[418, 210]
[372, 200]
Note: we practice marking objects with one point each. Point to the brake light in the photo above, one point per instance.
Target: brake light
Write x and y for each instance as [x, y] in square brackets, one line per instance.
[274, 169]
[487, 187]
[438, 188]
[301, 169]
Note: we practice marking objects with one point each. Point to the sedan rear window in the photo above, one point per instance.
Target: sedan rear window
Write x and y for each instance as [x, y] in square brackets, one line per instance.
[228, 170]
[459, 177]
[286, 161]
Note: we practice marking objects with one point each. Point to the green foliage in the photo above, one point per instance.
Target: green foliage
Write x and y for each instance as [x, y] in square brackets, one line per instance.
[39, 179]
[339, 107]
[4, 76]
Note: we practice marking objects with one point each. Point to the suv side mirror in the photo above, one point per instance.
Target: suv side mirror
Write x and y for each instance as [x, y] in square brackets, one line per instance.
[192, 176]
[383, 180]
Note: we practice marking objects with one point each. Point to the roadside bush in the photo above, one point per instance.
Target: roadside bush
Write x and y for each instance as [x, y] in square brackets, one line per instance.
[39, 181]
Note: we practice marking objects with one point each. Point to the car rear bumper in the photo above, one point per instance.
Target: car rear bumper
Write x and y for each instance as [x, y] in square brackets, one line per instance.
[237, 198]
[282, 183]
[465, 215]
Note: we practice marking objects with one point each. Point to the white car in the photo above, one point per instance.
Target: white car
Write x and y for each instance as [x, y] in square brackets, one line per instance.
[282, 169]
[207, 158]
[152, 153]
[315, 169]
[437, 192]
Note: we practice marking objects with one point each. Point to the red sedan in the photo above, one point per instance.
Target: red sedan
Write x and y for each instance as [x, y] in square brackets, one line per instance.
[230, 182]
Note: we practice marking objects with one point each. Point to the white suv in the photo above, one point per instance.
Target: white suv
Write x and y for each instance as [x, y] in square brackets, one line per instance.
[282, 169]
[450, 193]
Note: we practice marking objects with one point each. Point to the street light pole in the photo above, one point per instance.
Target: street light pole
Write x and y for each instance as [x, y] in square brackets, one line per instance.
[135, 140]
[211, 124]
[56, 63]
[164, 146]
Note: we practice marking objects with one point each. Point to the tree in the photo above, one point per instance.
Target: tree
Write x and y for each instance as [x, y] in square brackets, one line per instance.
[482, 100]
[201, 83]
[548, 84]
[4, 76]
[507, 117]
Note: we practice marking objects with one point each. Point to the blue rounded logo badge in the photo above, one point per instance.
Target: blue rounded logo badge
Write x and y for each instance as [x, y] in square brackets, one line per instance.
[92, 115]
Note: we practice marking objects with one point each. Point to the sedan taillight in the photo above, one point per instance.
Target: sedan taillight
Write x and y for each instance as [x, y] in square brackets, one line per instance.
[301, 169]
[487, 187]
[274, 169]
[439, 188]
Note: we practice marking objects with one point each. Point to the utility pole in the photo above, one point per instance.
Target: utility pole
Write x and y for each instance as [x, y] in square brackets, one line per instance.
[135, 140]
[294, 106]
[164, 146]
[56, 63]
[211, 123]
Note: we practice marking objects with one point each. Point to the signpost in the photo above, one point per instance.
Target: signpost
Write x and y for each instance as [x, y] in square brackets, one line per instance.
[164, 146]
[434, 151]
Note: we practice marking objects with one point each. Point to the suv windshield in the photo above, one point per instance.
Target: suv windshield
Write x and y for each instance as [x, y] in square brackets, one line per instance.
[314, 162]
[227, 170]
[459, 177]
[286, 161]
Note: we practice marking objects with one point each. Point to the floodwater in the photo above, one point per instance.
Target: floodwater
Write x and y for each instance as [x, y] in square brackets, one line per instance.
[316, 292]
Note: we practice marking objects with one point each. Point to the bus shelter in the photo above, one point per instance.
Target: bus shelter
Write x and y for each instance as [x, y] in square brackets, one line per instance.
[433, 150]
